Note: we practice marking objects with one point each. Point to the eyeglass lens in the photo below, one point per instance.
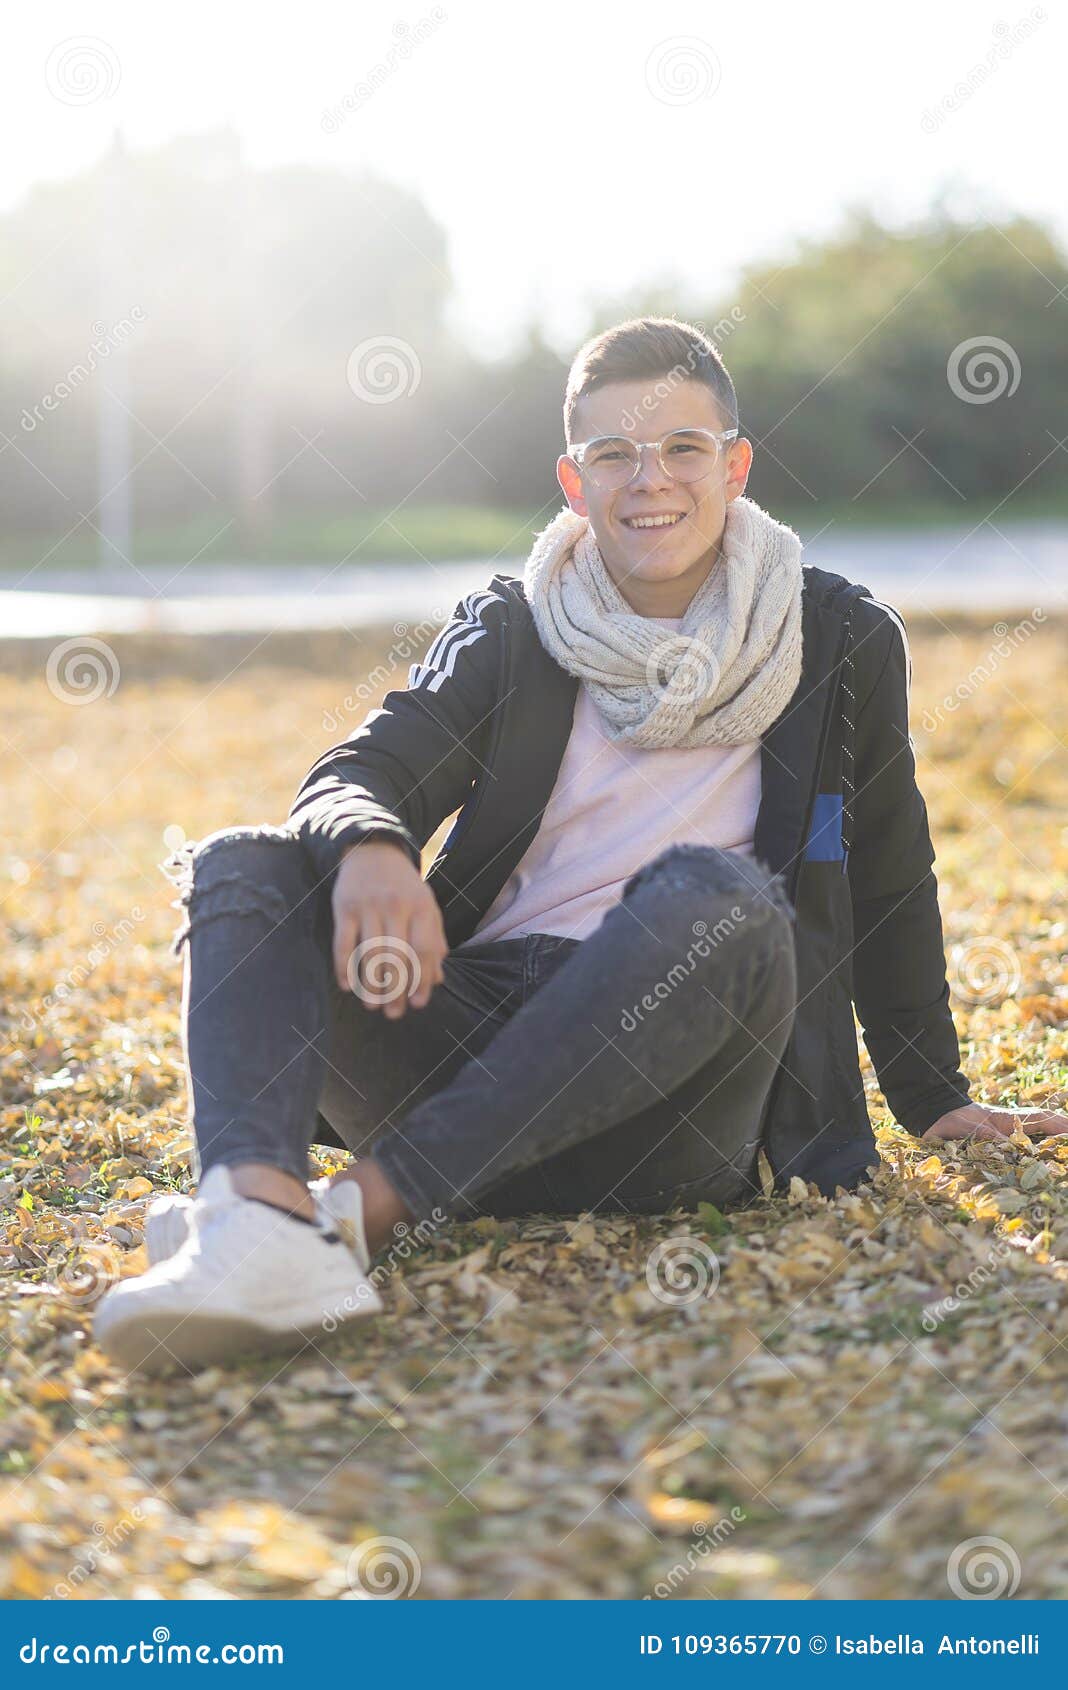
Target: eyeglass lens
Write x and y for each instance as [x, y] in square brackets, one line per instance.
[686, 455]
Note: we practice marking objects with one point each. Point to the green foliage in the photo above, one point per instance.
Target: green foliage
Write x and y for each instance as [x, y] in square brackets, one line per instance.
[713, 1222]
[246, 292]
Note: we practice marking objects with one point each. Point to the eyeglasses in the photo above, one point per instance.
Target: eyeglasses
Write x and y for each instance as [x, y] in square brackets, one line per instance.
[612, 461]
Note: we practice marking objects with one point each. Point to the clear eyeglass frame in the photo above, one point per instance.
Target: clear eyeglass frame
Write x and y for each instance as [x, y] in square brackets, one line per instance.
[580, 452]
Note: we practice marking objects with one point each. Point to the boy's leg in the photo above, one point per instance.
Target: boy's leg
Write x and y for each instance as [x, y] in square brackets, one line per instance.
[253, 1000]
[261, 1265]
[270, 1038]
[697, 1144]
[702, 936]
[498, 1091]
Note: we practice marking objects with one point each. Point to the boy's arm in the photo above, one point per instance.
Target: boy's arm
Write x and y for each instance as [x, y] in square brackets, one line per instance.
[412, 761]
[899, 967]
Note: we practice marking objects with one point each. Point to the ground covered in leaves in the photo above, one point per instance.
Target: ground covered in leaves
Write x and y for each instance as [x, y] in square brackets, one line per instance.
[866, 1397]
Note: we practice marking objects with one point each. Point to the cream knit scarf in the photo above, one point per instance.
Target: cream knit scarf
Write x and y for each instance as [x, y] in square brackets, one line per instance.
[721, 678]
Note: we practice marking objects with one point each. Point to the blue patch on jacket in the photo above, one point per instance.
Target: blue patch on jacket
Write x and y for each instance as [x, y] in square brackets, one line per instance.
[825, 835]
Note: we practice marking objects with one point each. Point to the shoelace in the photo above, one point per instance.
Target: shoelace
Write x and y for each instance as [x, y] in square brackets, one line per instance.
[324, 1228]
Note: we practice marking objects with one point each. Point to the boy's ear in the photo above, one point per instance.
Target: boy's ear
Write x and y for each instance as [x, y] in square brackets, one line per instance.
[571, 482]
[739, 463]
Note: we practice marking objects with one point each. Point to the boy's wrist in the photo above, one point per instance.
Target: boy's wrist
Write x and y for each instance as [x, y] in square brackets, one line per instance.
[374, 833]
[377, 838]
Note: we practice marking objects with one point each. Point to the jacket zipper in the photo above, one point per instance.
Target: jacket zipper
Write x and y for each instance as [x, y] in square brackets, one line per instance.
[825, 734]
[795, 872]
[483, 781]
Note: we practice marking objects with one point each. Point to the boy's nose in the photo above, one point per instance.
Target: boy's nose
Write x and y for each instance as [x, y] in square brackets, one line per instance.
[650, 472]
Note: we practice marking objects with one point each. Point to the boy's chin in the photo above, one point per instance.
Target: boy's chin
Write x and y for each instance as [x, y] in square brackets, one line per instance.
[658, 567]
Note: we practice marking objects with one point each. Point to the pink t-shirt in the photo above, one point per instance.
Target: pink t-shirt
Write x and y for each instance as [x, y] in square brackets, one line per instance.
[613, 808]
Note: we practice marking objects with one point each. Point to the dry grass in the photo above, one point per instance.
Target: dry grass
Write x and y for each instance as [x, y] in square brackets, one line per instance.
[527, 1417]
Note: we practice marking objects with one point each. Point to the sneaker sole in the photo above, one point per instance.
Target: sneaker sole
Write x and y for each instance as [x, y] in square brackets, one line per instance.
[154, 1343]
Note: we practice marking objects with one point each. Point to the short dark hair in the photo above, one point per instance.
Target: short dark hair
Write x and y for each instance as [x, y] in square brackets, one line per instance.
[656, 347]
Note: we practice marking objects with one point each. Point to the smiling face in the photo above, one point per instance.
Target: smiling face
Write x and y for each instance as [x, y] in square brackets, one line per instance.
[659, 537]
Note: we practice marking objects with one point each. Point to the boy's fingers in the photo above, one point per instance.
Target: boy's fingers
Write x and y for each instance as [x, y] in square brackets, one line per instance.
[1045, 1121]
[345, 931]
[381, 964]
[959, 1130]
[395, 969]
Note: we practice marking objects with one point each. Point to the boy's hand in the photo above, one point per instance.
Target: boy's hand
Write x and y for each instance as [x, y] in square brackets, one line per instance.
[988, 1120]
[389, 940]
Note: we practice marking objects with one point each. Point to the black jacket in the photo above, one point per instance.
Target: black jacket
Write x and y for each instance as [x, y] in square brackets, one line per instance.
[482, 727]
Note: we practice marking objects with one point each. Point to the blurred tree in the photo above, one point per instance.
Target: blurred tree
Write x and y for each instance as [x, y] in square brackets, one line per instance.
[266, 315]
[844, 358]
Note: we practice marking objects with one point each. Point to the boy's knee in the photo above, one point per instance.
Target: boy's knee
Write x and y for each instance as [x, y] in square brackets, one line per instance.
[749, 885]
[245, 871]
[244, 844]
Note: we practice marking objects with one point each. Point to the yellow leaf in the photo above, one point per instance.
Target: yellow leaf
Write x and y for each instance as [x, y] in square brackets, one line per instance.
[299, 1555]
[679, 1513]
[767, 1177]
[51, 1390]
[25, 1579]
[139, 1187]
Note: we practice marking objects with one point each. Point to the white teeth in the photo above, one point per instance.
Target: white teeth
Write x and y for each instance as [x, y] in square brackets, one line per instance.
[651, 521]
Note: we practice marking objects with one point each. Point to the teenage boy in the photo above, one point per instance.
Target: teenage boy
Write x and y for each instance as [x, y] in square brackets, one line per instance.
[689, 840]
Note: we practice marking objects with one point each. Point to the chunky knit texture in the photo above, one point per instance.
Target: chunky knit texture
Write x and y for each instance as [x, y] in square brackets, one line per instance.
[721, 679]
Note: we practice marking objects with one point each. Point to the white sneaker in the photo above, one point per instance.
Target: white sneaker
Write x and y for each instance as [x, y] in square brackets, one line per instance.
[170, 1219]
[246, 1277]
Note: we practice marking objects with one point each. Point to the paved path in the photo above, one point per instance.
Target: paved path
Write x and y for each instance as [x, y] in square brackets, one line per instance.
[1021, 565]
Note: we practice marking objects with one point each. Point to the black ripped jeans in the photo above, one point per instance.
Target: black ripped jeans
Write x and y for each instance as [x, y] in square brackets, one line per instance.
[627, 1071]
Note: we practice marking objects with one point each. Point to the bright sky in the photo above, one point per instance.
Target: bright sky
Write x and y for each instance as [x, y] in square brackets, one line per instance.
[575, 150]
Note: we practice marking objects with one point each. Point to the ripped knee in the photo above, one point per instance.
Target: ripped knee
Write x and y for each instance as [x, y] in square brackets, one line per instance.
[685, 864]
[695, 869]
[234, 872]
